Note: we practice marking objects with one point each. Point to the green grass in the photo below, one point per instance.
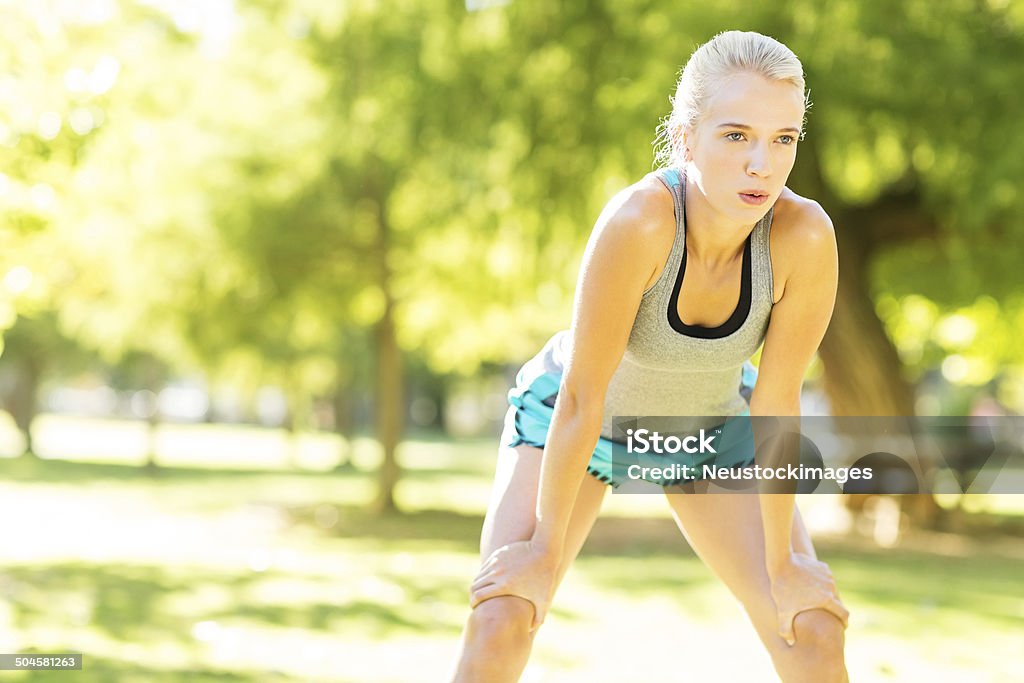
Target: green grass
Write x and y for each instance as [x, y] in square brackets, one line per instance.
[226, 574]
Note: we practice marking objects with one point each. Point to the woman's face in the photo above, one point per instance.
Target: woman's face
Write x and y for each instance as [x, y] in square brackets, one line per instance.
[746, 142]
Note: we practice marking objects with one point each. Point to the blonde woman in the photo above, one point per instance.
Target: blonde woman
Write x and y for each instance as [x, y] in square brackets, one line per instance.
[686, 274]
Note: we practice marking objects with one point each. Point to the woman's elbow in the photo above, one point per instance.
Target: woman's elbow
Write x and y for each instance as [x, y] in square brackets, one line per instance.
[580, 399]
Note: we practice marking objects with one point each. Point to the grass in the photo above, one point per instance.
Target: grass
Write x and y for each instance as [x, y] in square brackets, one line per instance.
[208, 573]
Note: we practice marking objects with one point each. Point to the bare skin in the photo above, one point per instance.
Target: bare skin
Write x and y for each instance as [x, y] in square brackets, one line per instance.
[543, 504]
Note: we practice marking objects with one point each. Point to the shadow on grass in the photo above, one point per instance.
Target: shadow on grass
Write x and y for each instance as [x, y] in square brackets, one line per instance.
[914, 591]
[148, 604]
[613, 536]
[374, 619]
[124, 602]
[987, 585]
[30, 469]
[46, 470]
[458, 531]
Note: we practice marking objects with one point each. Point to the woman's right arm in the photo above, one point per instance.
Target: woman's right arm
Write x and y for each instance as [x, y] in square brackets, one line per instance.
[621, 257]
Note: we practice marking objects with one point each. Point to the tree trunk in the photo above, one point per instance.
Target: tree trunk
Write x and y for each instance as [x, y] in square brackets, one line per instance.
[23, 403]
[863, 372]
[389, 390]
[152, 423]
[343, 423]
[155, 382]
[296, 419]
[389, 409]
[862, 369]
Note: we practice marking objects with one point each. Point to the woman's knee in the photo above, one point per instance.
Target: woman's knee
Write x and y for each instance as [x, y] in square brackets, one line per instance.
[820, 639]
[820, 627]
[504, 618]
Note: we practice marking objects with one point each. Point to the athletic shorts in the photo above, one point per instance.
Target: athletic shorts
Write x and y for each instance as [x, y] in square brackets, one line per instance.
[532, 404]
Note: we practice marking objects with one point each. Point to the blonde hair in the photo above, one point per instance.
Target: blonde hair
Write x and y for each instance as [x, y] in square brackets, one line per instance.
[725, 54]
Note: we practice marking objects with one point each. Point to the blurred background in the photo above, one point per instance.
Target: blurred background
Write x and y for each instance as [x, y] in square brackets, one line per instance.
[268, 268]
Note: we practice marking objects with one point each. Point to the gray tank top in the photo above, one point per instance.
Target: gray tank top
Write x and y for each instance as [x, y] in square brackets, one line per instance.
[670, 368]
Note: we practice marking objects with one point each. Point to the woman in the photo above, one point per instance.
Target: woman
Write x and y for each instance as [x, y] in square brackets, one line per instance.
[686, 273]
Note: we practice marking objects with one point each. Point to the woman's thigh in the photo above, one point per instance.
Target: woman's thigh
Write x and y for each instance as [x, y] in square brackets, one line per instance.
[511, 512]
[725, 531]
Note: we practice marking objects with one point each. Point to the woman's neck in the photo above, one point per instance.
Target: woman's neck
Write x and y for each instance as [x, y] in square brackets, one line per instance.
[712, 240]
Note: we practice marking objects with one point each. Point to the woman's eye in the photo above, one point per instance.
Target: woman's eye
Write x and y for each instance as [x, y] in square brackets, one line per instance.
[787, 139]
[739, 136]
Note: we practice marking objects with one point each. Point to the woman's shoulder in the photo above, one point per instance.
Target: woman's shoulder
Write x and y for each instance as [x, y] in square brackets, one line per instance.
[798, 218]
[802, 235]
[644, 209]
[638, 226]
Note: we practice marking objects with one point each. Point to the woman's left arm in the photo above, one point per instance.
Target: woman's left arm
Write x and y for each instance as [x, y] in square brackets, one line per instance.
[798, 324]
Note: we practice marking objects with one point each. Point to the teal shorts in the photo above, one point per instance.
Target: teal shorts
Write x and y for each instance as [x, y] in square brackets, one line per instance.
[532, 403]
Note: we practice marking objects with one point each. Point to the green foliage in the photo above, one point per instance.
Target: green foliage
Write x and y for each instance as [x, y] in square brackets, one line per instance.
[244, 192]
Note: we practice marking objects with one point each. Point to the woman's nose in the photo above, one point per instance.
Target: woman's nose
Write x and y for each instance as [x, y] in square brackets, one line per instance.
[760, 162]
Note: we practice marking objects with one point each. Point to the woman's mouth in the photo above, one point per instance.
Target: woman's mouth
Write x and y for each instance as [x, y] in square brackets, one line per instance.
[754, 198]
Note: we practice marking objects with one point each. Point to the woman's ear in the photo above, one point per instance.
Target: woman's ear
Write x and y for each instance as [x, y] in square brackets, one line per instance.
[685, 138]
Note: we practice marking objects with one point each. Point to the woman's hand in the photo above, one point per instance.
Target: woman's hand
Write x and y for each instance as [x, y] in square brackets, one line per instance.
[803, 583]
[521, 569]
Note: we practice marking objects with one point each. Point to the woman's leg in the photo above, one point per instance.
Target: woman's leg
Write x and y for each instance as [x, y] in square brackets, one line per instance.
[725, 531]
[496, 641]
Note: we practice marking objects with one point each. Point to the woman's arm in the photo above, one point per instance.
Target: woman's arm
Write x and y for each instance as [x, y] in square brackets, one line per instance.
[621, 257]
[798, 324]
[632, 235]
